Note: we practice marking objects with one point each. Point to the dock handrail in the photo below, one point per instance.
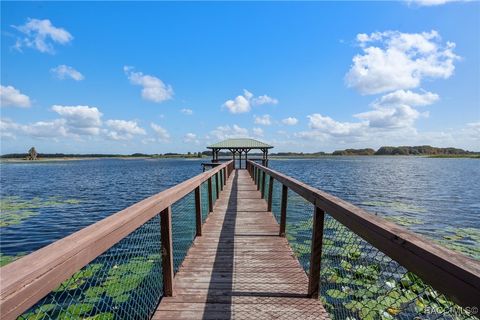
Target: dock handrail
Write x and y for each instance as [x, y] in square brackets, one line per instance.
[451, 273]
[31, 278]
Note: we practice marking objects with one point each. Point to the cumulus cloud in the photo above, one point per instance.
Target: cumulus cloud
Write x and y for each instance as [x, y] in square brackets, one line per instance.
[191, 138]
[392, 60]
[123, 129]
[264, 120]
[228, 132]
[80, 120]
[186, 111]
[400, 116]
[243, 103]
[430, 3]
[11, 97]
[327, 125]
[41, 129]
[153, 88]
[290, 121]
[63, 72]
[41, 35]
[257, 132]
[407, 98]
[161, 133]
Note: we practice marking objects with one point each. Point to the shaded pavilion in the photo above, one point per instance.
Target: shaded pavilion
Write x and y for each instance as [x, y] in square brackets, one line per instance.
[240, 146]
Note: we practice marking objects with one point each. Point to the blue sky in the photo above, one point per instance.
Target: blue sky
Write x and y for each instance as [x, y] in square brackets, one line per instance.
[158, 77]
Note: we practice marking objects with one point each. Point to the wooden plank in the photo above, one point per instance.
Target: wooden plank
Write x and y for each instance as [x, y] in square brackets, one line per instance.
[198, 211]
[450, 272]
[240, 268]
[167, 251]
[316, 253]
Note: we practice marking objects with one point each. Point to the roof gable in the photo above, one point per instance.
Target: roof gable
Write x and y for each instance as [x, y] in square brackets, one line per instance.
[240, 143]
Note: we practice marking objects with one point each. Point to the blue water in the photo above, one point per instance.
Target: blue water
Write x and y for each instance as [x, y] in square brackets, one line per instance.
[442, 193]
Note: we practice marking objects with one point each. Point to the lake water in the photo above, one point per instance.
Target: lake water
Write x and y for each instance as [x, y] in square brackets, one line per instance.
[43, 202]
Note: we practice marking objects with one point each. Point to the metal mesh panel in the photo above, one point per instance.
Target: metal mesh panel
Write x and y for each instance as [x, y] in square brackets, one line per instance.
[267, 183]
[299, 227]
[360, 282]
[125, 282]
[183, 228]
[276, 200]
[204, 200]
[214, 190]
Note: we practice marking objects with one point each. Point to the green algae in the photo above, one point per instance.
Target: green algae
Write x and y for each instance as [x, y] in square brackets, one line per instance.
[14, 210]
[395, 205]
[404, 220]
[5, 259]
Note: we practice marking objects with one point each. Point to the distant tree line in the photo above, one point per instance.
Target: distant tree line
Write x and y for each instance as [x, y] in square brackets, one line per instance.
[403, 150]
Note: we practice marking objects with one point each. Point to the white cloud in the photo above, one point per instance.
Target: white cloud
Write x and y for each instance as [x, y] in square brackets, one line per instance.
[400, 116]
[123, 129]
[63, 72]
[153, 88]
[228, 132]
[257, 132]
[11, 97]
[191, 138]
[187, 111]
[243, 103]
[161, 133]
[46, 129]
[430, 3]
[263, 120]
[407, 98]
[81, 120]
[264, 100]
[8, 128]
[290, 121]
[41, 34]
[329, 126]
[400, 61]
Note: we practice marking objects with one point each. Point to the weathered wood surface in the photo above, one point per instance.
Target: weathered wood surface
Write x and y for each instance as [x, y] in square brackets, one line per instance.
[240, 268]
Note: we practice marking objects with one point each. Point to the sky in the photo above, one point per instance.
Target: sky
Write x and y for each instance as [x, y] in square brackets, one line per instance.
[157, 77]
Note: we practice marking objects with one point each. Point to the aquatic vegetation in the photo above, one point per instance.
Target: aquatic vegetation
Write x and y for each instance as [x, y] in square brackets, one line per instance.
[395, 205]
[4, 259]
[79, 278]
[464, 240]
[14, 210]
[404, 220]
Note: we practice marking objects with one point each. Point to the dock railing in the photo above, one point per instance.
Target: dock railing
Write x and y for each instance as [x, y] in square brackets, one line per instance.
[362, 266]
[119, 267]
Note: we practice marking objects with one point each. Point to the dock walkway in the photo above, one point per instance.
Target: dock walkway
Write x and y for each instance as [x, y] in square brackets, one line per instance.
[240, 268]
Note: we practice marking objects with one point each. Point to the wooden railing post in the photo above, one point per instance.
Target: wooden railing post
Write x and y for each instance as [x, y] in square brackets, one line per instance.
[283, 211]
[216, 185]
[198, 211]
[167, 251]
[210, 195]
[316, 253]
[259, 177]
[263, 184]
[225, 176]
[220, 177]
[270, 193]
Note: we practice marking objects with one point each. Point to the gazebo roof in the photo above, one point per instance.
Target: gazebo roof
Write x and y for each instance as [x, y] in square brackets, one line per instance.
[240, 144]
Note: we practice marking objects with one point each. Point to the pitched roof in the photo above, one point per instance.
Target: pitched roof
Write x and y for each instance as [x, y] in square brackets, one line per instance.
[239, 143]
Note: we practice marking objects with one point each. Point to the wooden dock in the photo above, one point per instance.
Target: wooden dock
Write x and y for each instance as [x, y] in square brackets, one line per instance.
[240, 268]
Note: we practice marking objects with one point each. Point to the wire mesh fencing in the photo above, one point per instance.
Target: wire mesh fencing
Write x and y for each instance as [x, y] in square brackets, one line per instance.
[204, 200]
[299, 227]
[360, 282]
[125, 282]
[265, 189]
[214, 189]
[276, 200]
[183, 228]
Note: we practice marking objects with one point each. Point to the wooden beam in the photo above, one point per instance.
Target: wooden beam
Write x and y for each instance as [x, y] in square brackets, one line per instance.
[216, 186]
[283, 211]
[198, 211]
[316, 253]
[270, 193]
[167, 251]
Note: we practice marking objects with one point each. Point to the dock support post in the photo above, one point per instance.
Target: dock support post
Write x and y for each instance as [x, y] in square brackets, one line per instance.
[167, 251]
[198, 211]
[270, 193]
[210, 195]
[316, 253]
[225, 176]
[283, 211]
[216, 184]
[263, 184]
[259, 176]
